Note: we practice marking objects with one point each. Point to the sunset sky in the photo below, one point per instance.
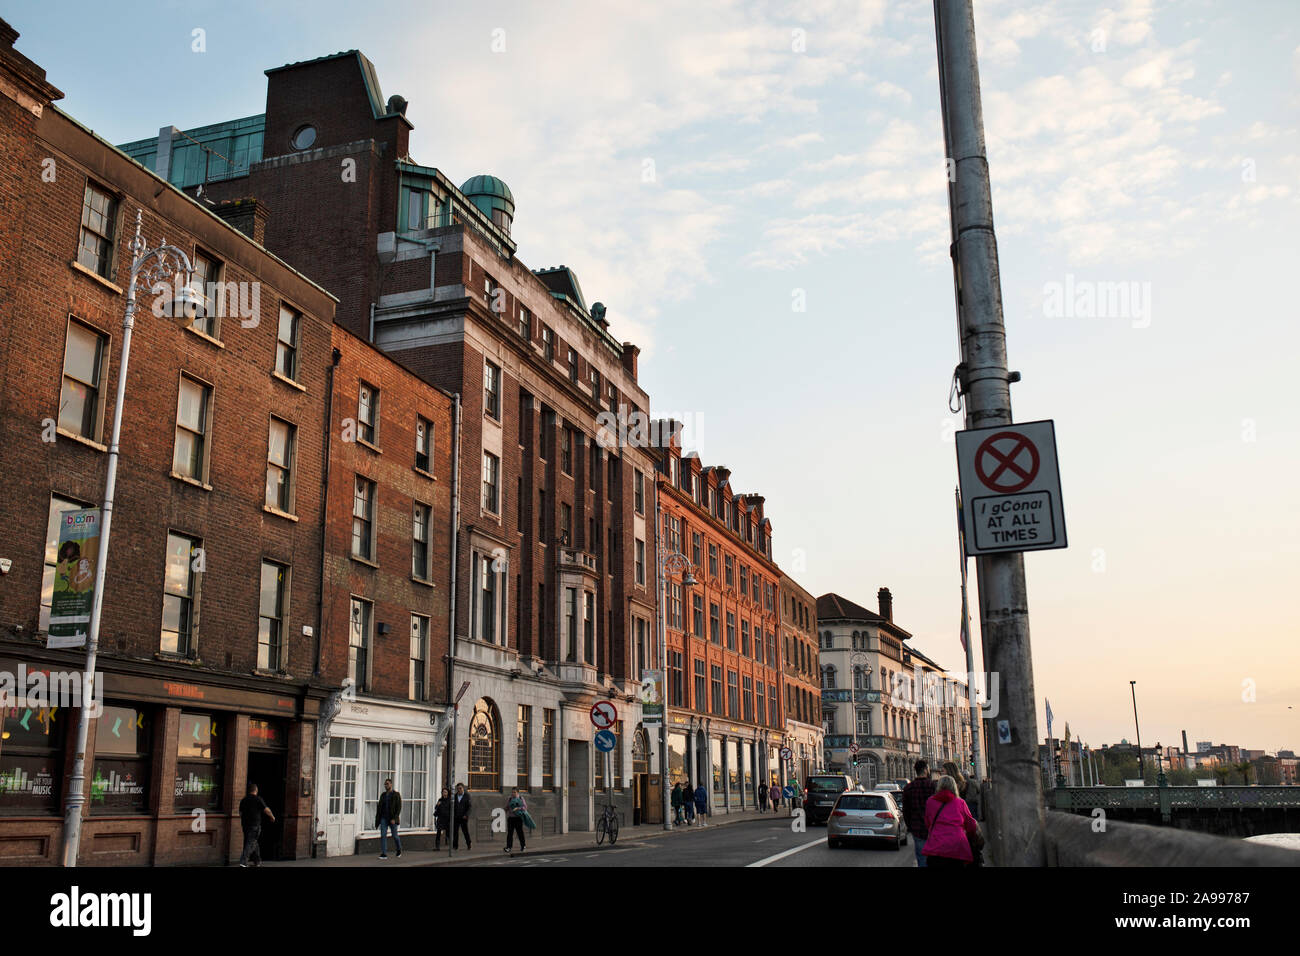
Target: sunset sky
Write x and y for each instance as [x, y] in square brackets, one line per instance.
[705, 168]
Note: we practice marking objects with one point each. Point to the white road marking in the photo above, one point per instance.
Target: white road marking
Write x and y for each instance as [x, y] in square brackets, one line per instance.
[765, 839]
[791, 852]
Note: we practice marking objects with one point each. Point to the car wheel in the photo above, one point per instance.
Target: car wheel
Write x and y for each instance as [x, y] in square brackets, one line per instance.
[898, 844]
[832, 844]
[902, 841]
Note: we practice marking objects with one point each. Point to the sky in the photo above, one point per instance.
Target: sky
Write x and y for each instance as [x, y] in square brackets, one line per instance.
[756, 191]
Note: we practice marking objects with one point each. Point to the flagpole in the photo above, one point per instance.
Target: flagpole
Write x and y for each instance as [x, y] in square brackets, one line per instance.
[971, 690]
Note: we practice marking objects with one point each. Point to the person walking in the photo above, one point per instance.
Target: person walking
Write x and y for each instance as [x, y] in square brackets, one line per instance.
[775, 794]
[460, 811]
[953, 834]
[795, 801]
[688, 803]
[702, 804]
[516, 818]
[251, 810]
[762, 797]
[387, 816]
[965, 787]
[915, 796]
[442, 818]
[676, 799]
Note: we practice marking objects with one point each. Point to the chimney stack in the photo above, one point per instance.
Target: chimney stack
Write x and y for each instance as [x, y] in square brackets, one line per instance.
[1184, 743]
[886, 604]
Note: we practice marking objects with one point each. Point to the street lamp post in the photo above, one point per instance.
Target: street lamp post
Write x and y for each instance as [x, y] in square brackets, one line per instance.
[158, 267]
[1141, 766]
[668, 562]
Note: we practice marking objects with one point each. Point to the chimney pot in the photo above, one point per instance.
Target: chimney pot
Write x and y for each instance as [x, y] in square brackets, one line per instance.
[886, 604]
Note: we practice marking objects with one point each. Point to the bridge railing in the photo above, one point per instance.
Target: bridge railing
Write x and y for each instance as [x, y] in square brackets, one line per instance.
[1074, 840]
[1167, 799]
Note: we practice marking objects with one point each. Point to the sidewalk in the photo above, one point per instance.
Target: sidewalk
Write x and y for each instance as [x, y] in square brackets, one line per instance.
[537, 845]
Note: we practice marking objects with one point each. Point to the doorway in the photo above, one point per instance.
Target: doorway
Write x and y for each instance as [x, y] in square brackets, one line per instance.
[267, 770]
[579, 766]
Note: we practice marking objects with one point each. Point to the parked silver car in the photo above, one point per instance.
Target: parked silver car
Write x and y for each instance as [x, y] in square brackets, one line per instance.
[867, 817]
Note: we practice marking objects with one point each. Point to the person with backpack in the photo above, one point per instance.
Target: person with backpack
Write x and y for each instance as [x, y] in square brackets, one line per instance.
[953, 836]
[915, 796]
[762, 797]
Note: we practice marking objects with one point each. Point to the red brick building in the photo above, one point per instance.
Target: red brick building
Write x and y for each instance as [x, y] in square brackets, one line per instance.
[211, 667]
[551, 591]
[804, 728]
[387, 579]
[726, 693]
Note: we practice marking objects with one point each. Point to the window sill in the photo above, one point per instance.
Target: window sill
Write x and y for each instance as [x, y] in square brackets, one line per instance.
[366, 561]
[191, 481]
[424, 474]
[280, 675]
[288, 381]
[278, 513]
[375, 448]
[205, 337]
[494, 419]
[425, 581]
[178, 659]
[78, 267]
[90, 443]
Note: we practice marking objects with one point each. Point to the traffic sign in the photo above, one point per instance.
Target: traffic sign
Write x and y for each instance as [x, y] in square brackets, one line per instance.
[603, 714]
[1010, 488]
[853, 747]
[786, 753]
[605, 741]
[787, 792]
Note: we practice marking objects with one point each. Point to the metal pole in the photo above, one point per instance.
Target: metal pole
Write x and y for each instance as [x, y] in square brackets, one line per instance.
[972, 704]
[1016, 806]
[1141, 767]
[170, 261]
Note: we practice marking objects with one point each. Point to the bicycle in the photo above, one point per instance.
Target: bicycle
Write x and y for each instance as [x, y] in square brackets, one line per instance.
[607, 825]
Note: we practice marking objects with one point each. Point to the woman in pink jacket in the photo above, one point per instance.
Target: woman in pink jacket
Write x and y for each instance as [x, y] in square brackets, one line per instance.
[950, 826]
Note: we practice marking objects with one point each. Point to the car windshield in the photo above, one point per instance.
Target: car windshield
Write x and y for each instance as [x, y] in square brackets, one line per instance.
[862, 801]
[826, 784]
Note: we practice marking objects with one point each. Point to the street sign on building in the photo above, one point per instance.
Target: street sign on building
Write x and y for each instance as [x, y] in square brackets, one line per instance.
[603, 714]
[786, 753]
[1010, 488]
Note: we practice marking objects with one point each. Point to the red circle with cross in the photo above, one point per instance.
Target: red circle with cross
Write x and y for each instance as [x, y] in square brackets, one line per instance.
[1004, 469]
[603, 714]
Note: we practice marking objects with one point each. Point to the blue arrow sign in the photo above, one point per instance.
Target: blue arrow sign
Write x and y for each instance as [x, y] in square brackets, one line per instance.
[788, 792]
[605, 741]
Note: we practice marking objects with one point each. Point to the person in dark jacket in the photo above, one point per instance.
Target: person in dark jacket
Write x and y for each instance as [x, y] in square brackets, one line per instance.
[251, 810]
[387, 815]
[676, 797]
[915, 796]
[702, 804]
[516, 814]
[688, 803]
[460, 811]
[762, 797]
[441, 817]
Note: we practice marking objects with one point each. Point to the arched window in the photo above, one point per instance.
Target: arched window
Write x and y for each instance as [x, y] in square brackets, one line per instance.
[828, 677]
[485, 747]
[640, 752]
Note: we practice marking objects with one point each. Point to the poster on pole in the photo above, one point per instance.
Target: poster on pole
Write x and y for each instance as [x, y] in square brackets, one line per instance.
[74, 578]
[652, 697]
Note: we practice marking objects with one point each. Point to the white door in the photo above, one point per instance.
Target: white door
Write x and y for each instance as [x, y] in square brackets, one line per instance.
[341, 815]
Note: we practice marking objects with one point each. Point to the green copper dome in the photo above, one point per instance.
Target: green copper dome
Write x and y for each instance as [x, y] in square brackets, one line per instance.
[493, 197]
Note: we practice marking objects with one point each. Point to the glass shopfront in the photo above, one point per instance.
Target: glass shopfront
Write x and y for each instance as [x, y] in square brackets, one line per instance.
[120, 779]
[677, 758]
[31, 760]
[200, 763]
[715, 745]
[733, 772]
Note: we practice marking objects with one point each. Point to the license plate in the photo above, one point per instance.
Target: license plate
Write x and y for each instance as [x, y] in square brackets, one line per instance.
[857, 831]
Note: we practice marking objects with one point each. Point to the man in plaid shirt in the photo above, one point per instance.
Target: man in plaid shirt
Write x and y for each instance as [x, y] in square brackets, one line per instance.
[915, 795]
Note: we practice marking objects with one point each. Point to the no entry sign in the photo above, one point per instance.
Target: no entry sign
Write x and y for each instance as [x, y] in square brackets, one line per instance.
[603, 714]
[1010, 488]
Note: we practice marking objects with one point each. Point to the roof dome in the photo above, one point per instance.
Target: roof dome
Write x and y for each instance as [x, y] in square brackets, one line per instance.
[493, 197]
